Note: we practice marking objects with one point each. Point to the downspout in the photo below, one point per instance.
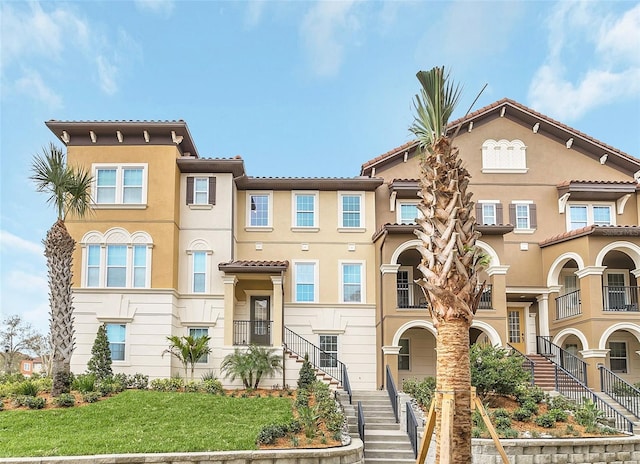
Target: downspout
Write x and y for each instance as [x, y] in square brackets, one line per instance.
[384, 236]
[284, 375]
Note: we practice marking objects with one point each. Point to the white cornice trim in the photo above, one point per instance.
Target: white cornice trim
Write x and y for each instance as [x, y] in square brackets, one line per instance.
[389, 268]
[590, 270]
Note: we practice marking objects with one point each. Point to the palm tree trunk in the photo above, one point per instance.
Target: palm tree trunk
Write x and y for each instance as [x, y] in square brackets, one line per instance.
[454, 377]
[59, 246]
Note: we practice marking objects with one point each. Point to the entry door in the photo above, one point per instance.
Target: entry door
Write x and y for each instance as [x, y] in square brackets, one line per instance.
[260, 320]
[515, 328]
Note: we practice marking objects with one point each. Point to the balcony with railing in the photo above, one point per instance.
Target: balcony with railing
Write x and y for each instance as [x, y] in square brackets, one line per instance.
[411, 296]
[252, 333]
[620, 298]
[568, 305]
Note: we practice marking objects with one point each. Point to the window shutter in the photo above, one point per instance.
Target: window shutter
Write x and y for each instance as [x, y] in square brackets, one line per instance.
[212, 190]
[499, 214]
[189, 190]
[512, 214]
[479, 214]
[533, 216]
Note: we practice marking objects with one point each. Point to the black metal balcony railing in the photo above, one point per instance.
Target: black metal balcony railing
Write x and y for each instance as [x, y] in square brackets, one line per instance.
[568, 305]
[252, 333]
[620, 298]
[410, 295]
[620, 390]
[560, 357]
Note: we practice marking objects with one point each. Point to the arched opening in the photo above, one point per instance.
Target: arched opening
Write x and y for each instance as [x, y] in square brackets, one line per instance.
[622, 341]
[619, 284]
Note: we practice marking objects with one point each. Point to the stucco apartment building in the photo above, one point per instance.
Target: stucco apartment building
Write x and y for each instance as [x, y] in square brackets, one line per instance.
[181, 244]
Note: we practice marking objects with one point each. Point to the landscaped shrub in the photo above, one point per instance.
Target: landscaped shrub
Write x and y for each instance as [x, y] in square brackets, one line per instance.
[496, 370]
[90, 397]
[546, 420]
[138, 381]
[501, 419]
[528, 392]
[65, 400]
[212, 386]
[35, 402]
[193, 386]
[28, 388]
[20, 400]
[562, 402]
[84, 383]
[588, 415]
[302, 398]
[559, 415]
[306, 375]
[1, 405]
[100, 363]
[44, 383]
[422, 391]
[209, 375]
[531, 406]
[167, 385]
[522, 414]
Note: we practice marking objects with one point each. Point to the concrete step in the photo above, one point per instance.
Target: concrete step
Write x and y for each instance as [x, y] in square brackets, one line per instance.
[386, 454]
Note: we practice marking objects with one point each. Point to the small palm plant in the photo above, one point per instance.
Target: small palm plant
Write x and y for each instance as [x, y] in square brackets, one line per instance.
[188, 350]
[251, 365]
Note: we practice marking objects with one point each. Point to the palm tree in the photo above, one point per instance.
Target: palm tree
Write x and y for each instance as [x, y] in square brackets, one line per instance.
[69, 192]
[188, 350]
[251, 365]
[450, 260]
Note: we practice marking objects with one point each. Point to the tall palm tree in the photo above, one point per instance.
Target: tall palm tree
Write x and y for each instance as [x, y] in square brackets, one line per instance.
[69, 192]
[188, 350]
[450, 260]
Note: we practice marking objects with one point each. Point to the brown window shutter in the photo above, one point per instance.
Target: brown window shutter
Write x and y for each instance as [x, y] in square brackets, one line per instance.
[189, 190]
[212, 190]
[533, 216]
[479, 219]
[499, 214]
[512, 214]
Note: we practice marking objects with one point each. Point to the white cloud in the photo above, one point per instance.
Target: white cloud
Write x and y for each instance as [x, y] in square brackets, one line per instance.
[13, 243]
[32, 85]
[325, 29]
[255, 9]
[162, 8]
[107, 75]
[567, 89]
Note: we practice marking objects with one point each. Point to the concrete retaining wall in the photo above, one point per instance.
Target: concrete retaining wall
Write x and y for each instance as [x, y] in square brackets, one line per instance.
[624, 450]
[350, 454]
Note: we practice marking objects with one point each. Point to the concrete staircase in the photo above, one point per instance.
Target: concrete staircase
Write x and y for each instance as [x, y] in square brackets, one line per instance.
[320, 375]
[384, 441]
[544, 373]
[618, 407]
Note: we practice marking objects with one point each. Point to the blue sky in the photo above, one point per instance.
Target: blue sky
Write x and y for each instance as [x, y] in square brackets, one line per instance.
[297, 88]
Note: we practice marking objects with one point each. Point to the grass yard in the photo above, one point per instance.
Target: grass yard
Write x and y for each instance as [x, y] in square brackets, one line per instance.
[137, 421]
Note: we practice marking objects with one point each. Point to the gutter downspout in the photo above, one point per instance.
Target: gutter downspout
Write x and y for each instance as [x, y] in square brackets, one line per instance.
[381, 366]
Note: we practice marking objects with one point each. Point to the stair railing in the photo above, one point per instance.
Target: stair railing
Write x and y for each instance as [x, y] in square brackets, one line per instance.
[361, 422]
[412, 428]
[562, 358]
[527, 363]
[346, 385]
[571, 387]
[393, 392]
[626, 394]
[320, 359]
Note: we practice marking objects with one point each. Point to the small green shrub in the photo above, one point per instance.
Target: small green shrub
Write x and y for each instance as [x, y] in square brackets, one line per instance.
[84, 383]
[65, 400]
[193, 386]
[28, 388]
[522, 414]
[303, 398]
[501, 419]
[496, 370]
[527, 392]
[306, 375]
[477, 420]
[20, 400]
[546, 420]
[209, 375]
[270, 433]
[531, 406]
[90, 397]
[138, 381]
[212, 386]
[559, 415]
[309, 417]
[562, 402]
[509, 433]
[167, 385]
[588, 415]
[35, 402]
[476, 432]
[422, 391]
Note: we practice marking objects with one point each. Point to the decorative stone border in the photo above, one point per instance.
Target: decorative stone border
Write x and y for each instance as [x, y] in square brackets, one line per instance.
[603, 450]
[350, 454]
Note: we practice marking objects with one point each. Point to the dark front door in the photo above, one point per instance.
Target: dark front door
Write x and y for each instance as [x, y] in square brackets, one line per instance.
[260, 320]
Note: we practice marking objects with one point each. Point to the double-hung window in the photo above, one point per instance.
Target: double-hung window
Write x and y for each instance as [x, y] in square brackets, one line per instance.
[404, 355]
[407, 212]
[582, 214]
[618, 357]
[351, 210]
[120, 184]
[199, 272]
[198, 332]
[117, 336]
[116, 265]
[489, 212]
[305, 207]
[329, 344]
[259, 209]
[352, 282]
[522, 215]
[305, 282]
[201, 190]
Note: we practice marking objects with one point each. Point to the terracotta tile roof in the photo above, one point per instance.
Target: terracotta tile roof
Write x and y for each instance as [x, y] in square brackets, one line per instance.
[492, 107]
[254, 266]
[567, 183]
[120, 121]
[614, 231]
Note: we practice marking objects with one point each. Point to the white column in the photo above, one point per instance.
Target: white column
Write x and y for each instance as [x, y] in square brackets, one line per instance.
[543, 311]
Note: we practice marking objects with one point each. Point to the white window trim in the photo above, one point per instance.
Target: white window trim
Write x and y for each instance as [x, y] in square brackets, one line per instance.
[529, 230]
[363, 286]
[129, 279]
[626, 355]
[206, 203]
[125, 361]
[207, 271]
[316, 272]
[495, 210]
[400, 203]
[408, 355]
[269, 226]
[341, 226]
[198, 362]
[119, 167]
[337, 352]
[590, 205]
[316, 205]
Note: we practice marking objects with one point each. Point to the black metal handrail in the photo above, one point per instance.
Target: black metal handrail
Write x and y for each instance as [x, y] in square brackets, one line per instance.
[346, 385]
[620, 298]
[252, 332]
[571, 387]
[527, 363]
[486, 299]
[626, 394]
[393, 392]
[320, 359]
[361, 422]
[568, 305]
[412, 428]
[560, 357]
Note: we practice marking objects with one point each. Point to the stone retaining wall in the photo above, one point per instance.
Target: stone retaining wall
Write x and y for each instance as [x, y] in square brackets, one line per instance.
[350, 454]
[622, 450]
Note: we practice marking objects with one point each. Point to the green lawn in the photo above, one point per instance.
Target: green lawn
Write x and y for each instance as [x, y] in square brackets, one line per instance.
[141, 422]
